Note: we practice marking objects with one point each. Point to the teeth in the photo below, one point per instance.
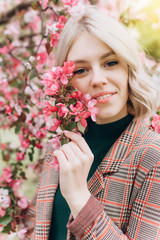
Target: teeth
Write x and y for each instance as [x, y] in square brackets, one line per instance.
[104, 96]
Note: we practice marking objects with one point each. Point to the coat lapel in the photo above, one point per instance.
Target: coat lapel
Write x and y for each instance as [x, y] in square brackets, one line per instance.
[115, 156]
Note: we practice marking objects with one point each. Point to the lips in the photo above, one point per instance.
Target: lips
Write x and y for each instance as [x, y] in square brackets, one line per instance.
[103, 95]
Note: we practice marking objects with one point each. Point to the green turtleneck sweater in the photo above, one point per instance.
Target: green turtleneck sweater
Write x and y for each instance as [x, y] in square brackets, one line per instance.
[99, 138]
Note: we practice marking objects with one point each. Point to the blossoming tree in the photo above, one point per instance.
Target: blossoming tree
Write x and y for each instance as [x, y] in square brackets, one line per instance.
[30, 32]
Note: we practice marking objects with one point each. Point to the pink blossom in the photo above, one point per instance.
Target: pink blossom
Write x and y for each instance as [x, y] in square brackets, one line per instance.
[68, 67]
[77, 10]
[25, 143]
[61, 21]
[76, 94]
[6, 202]
[55, 142]
[53, 89]
[83, 122]
[8, 109]
[77, 108]
[2, 212]
[63, 111]
[55, 163]
[45, 3]
[20, 156]
[93, 110]
[22, 203]
[4, 199]
[4, 50]
[70, 2]
[1, 103]
[7, 174]
[55, 39]
[49, 110]
[39, 146]
[56, 123]
[80, 113]
[41, 133]
[60, 25]
[48, 78]
[42, 57]
[90, 103]
[15, 184]
[60, 74]
[3, 146]
[1, 229]
[21, 233]
[156, 123]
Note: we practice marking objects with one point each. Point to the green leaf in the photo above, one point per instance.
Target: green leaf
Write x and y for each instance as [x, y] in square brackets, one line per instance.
[17, 128]
[72, 101]
[70, 126]
[7, 228]
[30, 156]
[32, 74]
[26, 110]
[5, 219]
[34, 5]
[80, 127]
[23, 175]
[64, 141]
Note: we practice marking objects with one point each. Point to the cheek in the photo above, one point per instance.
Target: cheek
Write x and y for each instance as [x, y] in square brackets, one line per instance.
[122, 79]
[81, 85]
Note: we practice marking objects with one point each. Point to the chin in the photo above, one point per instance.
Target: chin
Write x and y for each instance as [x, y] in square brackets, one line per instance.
[109, 117]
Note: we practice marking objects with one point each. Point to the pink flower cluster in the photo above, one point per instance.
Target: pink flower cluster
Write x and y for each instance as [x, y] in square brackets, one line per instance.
[9, 216]
[4, 201]
[69, 109]
[155, 123]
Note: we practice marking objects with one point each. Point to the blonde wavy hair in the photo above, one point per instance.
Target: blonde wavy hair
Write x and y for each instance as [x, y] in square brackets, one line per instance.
[142, 100]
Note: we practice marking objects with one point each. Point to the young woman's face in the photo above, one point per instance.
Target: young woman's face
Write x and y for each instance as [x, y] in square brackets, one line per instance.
[99, 72]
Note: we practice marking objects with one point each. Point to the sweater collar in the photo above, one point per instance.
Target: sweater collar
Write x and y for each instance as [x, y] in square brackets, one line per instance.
[96, 132]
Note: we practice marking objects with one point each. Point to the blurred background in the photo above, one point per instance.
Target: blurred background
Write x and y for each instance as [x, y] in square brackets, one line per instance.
[24, 33]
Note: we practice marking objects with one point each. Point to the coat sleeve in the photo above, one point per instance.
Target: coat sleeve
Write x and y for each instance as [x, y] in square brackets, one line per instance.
[30, 217]
[93, 222]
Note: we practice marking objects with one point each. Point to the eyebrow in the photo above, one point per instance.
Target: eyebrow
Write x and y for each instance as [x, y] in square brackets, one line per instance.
[107, 54]
[101, 58]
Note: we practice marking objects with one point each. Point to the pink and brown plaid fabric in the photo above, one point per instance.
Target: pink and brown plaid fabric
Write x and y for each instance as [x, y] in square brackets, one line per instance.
[125, 201]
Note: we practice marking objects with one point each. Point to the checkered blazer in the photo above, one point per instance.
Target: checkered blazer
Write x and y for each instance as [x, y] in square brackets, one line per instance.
[125, 201]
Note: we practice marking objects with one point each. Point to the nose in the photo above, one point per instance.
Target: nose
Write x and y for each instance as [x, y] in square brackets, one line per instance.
[98, 77]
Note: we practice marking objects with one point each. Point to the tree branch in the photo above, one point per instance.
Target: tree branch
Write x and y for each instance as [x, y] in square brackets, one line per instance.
[6, 16]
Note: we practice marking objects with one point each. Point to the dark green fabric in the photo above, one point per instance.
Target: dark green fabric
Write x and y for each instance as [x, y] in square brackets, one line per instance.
[99, 138]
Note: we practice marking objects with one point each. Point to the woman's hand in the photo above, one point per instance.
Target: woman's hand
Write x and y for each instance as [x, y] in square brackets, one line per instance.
[75, 160]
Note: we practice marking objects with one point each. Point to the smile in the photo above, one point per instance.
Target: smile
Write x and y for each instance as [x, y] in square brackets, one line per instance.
[104, 96]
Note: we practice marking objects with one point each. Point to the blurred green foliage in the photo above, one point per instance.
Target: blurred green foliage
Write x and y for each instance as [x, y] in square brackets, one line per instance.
[149, 37]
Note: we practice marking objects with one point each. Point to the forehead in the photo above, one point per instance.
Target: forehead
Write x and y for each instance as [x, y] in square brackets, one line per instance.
[87, 46]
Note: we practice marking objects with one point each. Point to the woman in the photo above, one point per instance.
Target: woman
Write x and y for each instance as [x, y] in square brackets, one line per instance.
[109, 179]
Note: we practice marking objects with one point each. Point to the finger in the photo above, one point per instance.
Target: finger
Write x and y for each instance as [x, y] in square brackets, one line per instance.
[61, 158]
[80, 141]
[69, 153]
[76, 150]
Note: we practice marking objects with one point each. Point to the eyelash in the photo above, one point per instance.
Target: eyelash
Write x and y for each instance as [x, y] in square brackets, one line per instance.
[79, 71]
[83, 70]
[111, 63]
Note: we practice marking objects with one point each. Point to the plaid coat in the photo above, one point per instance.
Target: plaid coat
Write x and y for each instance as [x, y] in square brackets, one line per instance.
[125, 201]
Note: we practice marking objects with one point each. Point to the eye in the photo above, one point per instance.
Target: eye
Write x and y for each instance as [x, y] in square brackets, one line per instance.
[79, 71]
[111, 63]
